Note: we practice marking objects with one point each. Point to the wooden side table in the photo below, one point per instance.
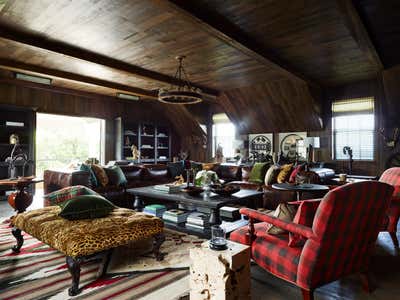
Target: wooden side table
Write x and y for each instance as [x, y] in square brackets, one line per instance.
[218, 275]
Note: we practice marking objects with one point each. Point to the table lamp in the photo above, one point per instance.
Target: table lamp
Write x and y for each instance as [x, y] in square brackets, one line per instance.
[311, 143]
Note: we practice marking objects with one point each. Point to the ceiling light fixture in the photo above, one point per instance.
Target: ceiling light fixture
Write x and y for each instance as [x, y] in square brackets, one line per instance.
[184, 92]
[32, 78]
[128, 96]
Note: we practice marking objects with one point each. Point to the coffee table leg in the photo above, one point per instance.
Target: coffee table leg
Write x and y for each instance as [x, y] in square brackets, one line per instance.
[214, 217]
[138, 204]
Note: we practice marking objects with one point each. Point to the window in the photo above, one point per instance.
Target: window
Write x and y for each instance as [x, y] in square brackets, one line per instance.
[223, 134]
[63, 140]
[353, 125]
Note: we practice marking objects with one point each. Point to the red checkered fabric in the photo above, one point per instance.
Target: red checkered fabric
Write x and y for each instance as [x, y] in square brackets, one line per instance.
[304, 216]
[339, 243]
[392, 177]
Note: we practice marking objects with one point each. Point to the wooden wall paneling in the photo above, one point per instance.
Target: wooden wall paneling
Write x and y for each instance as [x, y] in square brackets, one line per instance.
[359, 33]
[276, 106]
[391, 83]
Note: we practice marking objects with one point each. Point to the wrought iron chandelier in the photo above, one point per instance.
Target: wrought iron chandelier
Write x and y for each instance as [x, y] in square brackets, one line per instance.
[184, 92]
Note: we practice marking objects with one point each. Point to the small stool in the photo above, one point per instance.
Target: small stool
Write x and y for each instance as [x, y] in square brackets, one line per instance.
[220, 275]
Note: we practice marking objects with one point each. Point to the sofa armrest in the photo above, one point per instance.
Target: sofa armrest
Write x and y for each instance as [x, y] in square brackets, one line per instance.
[56, 180]
[288, 226]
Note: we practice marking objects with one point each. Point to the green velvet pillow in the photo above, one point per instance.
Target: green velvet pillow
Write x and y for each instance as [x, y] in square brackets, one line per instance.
[86, 207]
[115, 176]
[257, 173]
[93, 179]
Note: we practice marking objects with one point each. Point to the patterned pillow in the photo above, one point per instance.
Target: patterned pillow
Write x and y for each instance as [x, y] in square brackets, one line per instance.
[65, 194]
[285, 212]
[271, 175]
[296, 170]
[101, 175]
[304, 216]
[284, 174]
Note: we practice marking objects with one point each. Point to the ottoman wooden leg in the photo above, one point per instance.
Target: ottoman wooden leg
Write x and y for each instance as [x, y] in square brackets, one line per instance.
[74, 267]
[158, 240]
[104, 264]
[20, 239]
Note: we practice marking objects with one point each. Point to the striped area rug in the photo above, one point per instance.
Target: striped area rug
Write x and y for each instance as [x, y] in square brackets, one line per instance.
[40, 272]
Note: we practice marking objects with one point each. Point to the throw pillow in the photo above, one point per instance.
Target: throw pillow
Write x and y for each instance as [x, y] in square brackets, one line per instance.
[86, 207]
[296, 170]
[285, 212]
[93, 179]
[101, 175]
[175, 169]
[116, 176]
[304, 216]
[257, 173]
[271, 175]
[284, 174]
[65, 194]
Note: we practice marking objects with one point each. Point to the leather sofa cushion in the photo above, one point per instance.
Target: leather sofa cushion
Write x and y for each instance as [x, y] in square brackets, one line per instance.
[132, 172]
[229, 172]
[156, 172]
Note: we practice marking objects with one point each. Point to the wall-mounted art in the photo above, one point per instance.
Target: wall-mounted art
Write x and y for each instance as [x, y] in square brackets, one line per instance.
[292, 143]
[260, 144]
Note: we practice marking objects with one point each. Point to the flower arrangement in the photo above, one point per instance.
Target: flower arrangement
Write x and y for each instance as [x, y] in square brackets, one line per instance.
[205, 177]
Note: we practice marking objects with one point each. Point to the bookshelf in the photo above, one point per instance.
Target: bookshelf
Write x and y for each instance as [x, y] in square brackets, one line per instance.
[152, 140]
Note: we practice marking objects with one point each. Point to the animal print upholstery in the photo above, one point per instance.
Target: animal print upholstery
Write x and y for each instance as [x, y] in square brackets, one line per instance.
[84, 237]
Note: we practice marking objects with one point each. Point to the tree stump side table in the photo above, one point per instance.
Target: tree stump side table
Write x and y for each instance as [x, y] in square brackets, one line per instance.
[218, 275]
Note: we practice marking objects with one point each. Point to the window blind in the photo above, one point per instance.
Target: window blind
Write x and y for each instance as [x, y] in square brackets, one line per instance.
[353, 125]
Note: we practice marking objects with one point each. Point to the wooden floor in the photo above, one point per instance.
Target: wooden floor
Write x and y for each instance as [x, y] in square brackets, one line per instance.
[385, 266]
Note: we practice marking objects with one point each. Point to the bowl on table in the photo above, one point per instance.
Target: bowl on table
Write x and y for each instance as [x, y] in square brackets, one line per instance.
[225, 190]
[193, 190]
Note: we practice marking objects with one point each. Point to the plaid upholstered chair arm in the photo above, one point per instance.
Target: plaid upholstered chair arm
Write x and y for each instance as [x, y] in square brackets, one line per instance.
[288, 226]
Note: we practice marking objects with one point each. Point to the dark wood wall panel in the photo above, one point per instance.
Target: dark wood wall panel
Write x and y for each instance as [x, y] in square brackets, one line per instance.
[276, 106]
[184, 125]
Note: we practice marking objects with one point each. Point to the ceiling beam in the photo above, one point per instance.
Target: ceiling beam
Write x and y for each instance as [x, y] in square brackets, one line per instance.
[40, 41]
[231, 35]
[24, 67]
[359, 32]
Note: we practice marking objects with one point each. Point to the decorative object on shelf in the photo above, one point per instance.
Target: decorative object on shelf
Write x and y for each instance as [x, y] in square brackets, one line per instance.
[14, 139]
[218, 238]
[184, 92]
[135, 152]
[219, 154]
[390, 142]
[348, 151]
[291, 145]
[14, 158]
[127, 141]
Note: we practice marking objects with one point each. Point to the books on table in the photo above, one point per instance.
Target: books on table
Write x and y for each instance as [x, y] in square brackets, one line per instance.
[197, 221]
[175, 215]
[229, 213]
[168, 188]
[155, 210]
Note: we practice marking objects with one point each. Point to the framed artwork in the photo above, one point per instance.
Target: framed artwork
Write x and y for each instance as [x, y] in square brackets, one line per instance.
[261, 143]
[291, 143]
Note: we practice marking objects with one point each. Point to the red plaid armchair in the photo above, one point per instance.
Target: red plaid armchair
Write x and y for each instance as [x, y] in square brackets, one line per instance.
[392, 177]
[339, 242]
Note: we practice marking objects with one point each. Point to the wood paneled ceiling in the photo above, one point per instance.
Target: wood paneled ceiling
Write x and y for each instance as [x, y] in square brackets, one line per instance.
[232, 47]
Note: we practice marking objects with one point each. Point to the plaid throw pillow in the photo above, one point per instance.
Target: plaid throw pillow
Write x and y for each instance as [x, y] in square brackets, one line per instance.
[304, 216]
[65, 194]
[285, 212]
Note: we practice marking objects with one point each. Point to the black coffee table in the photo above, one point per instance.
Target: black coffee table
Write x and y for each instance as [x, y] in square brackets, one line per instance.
[214, 203]
[300, 188]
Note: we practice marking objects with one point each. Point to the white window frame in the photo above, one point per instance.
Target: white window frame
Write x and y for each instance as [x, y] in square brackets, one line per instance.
[354, 113]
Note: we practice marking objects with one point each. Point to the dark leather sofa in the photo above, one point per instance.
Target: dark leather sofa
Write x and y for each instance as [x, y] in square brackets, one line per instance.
[151, 174]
